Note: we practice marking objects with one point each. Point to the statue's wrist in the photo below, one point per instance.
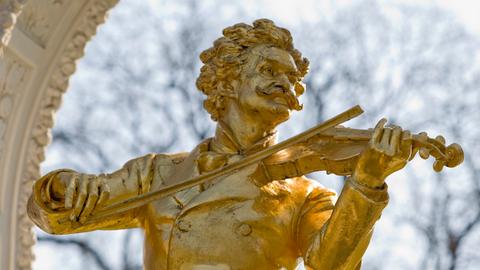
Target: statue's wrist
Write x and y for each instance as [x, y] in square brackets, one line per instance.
[369, 181]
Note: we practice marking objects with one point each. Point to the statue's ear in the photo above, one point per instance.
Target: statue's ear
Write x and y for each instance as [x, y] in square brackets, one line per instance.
[228, 89]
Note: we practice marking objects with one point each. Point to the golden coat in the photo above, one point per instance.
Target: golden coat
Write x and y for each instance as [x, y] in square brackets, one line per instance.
[233, 223]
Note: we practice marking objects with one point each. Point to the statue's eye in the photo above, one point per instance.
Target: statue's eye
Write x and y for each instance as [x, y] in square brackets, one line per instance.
[267, 70]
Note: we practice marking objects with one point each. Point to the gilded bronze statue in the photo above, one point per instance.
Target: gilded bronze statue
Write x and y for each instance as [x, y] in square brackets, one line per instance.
[240, 200]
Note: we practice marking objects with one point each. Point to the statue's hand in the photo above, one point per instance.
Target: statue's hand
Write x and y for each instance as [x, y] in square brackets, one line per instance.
[81, 192]
[387, 152]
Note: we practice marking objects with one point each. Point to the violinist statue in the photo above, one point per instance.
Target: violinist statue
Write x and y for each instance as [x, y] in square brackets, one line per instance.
[239, 200]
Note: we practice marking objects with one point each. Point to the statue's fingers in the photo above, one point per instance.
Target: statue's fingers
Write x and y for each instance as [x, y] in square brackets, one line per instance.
[104, 194]
[381, 123]
[406, 135]
[406, 145]
[70, 192]
[91, 200]
[82, 195]
[385, 142]
[423, 136]
[378, 131]
[394, 145]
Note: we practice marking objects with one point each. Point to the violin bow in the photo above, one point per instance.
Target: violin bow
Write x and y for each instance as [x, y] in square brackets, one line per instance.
[151, 196]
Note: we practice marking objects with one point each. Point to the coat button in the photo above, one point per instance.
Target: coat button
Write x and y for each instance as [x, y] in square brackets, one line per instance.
[244, 229]
[184, 225]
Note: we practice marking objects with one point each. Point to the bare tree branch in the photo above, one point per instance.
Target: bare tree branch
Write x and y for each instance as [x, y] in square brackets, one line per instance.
[83, 246]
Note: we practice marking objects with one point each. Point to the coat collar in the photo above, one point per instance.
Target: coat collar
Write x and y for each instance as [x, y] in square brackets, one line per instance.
[232, 146]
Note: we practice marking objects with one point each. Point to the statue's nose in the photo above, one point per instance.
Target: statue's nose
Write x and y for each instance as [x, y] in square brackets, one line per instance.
[284, 83]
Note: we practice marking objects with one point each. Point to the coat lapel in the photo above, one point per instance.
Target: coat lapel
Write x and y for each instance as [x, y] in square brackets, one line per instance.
[185, 170]
[236, 187]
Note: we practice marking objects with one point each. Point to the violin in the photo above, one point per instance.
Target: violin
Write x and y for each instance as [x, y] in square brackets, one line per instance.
[325, 147]
[337, 150]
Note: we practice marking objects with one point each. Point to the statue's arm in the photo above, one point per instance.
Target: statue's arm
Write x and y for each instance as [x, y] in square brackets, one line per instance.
[62, 200]
[338, 242]
[335, 236]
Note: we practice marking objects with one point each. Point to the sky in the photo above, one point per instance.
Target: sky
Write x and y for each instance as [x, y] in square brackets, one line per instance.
[467, 11]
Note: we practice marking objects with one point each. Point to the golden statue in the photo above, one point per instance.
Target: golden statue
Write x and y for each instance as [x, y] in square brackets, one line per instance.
[239, 200]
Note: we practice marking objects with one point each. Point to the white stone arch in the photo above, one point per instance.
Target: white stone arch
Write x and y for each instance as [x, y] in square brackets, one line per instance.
[40, 40]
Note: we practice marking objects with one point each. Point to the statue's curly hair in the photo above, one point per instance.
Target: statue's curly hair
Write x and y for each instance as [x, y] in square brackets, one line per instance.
[223, 61]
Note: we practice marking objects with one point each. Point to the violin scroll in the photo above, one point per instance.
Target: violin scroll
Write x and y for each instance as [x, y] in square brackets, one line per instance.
[450, 156]
[453, 157]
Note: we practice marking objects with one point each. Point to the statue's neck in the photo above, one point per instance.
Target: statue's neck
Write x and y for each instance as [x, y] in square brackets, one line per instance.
[229, 139]
[242, 132]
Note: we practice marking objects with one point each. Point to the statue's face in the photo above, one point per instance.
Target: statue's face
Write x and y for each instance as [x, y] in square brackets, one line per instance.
[265, 89]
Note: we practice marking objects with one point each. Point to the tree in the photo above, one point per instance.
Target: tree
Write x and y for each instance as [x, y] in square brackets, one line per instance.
[415, 66]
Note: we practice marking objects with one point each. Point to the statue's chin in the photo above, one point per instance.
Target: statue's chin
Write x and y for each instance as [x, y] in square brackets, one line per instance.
[280, 113]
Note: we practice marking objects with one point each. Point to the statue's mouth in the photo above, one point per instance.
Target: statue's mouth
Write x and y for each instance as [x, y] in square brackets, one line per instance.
[281, 100]
[280, 95]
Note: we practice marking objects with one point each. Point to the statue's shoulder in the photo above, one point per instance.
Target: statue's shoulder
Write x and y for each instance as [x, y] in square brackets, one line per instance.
[169, 159]
[169, 168]
[304, 187]
[162, 165]
[160, 159]
[298, 189]
[297, 196]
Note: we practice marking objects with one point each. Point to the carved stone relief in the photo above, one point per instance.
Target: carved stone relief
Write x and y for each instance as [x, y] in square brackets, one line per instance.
[9, 11]
[40, 18]
[14, 75]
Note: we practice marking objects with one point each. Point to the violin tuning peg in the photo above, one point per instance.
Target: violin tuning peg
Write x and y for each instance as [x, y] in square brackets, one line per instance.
[440, 138]
[438, 165]
[423, 136]
[424, 153]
